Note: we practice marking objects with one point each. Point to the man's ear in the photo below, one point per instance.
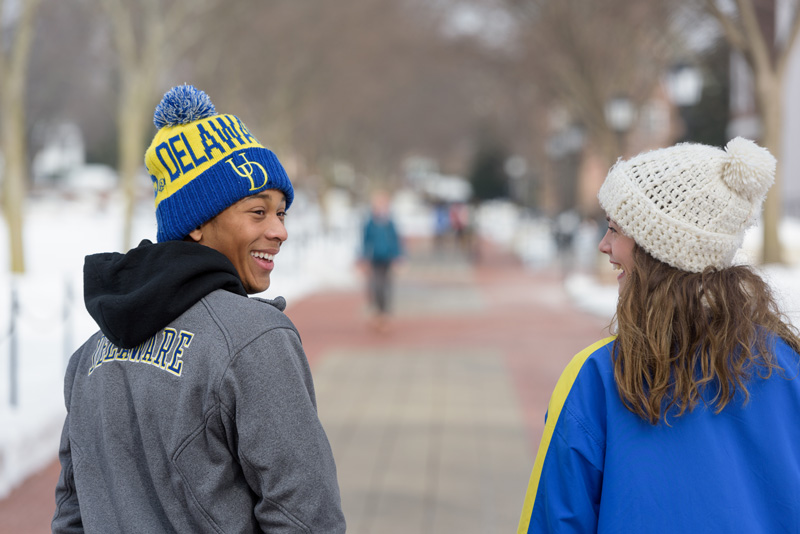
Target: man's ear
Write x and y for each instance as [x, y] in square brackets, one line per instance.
[196, 235]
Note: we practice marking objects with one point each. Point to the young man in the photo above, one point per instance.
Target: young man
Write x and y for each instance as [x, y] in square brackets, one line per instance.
[193, 408]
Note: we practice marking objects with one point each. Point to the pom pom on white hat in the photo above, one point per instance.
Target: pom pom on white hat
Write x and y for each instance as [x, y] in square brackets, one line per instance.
[751, 169]
[689, 205]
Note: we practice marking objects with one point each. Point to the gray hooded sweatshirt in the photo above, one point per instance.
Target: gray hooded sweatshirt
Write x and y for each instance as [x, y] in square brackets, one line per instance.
[192, 409]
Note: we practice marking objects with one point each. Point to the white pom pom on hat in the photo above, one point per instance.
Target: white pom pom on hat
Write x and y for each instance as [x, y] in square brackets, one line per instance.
[751, 168]
[689, 205]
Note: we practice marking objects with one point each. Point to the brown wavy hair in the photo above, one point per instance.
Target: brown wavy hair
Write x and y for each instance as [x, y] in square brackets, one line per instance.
[680, 332]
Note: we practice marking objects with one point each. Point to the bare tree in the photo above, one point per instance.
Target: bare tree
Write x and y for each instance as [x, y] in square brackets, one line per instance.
[367, 82]
[364, 81]
[750, 30]
[14, 54]
[584, 52]
[149, 36]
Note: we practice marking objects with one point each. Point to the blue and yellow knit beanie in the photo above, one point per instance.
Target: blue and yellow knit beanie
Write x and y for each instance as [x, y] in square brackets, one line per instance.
[201, 163]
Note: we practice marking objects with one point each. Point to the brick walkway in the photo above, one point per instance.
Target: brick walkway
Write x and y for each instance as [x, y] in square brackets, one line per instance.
[433, 424]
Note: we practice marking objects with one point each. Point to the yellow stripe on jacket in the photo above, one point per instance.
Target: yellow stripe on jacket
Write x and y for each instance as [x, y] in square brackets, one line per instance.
[557, 399]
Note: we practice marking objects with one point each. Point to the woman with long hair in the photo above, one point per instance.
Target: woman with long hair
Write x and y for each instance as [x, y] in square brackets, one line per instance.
[688, 419]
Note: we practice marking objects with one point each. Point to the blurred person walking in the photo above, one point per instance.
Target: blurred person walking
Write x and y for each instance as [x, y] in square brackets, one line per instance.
[687, 419]
[441, 227]
[461, 221]
[565, 229]
[193, 408]
[380, 250]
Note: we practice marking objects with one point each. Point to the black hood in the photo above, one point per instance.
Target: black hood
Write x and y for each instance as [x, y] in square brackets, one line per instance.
[132, 296]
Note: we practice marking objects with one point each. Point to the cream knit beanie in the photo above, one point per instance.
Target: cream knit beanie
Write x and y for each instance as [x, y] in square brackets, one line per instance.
[689, 205]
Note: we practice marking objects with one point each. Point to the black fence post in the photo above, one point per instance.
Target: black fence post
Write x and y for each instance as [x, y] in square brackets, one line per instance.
[13, 356]
[68, 296]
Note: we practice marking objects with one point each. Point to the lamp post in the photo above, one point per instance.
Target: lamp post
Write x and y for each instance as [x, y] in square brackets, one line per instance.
[620, 114]
[564, 148]
[684, 83]
[516, 167]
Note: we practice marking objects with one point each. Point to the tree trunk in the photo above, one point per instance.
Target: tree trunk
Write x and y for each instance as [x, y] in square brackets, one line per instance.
[133, 119]
[770, 96]
[14, 176]
[141, 60]
[13, 78]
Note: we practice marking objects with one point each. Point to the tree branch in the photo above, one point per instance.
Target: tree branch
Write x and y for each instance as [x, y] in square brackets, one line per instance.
[124, 37]
[2, 40]
[760, 55]
[732, 32]
[791, 40]
[183, 38]
[17, 61]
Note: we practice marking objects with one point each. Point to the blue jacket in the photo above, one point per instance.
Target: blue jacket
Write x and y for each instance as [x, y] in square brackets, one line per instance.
[381, 243]
[601, 468]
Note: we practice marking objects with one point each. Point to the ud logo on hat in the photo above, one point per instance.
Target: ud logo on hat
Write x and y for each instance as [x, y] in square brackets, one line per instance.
[245, 170]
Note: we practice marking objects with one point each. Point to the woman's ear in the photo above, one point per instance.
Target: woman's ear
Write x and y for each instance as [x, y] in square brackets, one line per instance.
[196, 235]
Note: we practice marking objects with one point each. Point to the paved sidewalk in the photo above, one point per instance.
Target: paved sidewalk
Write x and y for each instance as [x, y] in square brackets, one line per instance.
[433, 424]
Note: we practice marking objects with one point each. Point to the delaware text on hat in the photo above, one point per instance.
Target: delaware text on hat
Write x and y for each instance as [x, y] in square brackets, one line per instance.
[196, 147]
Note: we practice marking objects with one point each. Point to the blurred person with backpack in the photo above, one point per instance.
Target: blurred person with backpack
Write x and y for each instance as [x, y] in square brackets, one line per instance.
[381, 248]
